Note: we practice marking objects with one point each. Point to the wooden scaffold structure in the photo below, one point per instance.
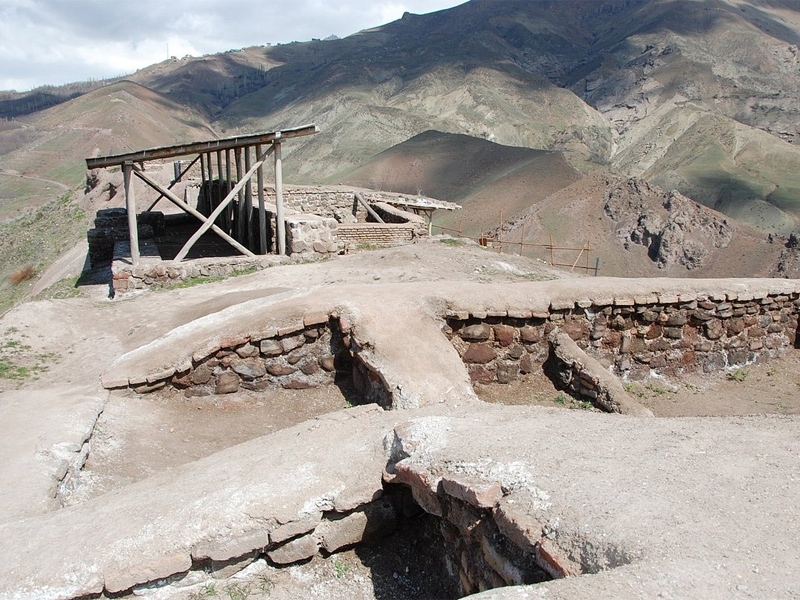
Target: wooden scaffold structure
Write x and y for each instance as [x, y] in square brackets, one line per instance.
[243, 156]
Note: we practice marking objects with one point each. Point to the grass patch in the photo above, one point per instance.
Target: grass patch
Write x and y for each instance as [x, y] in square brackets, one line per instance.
[61, 290]
[187, 283]
[738, 375]
[340, 569]
[452, 242]
[33, 241]
[17, 362]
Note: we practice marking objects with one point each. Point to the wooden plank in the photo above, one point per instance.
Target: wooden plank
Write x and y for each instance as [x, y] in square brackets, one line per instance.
[198, 215]
[130, 206]
[217, 211]
[372, 213]
[200, 147]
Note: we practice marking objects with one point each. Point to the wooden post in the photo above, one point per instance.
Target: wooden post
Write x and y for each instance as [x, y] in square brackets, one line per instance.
[177, 179]
[225, 223]
[281, 225]
[575, 264]
[248, 203]
[371, 212]
[240, 233]
[588, 250]
[130, 206]
[551, 250]
[500, 234]
[231, 217]
[596, 266]
[262, 214]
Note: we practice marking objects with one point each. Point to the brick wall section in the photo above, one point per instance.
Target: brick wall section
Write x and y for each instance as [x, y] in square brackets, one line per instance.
[377, 234]
[635, 337]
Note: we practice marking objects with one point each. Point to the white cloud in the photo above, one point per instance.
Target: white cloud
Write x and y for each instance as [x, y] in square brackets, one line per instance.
[60, 41]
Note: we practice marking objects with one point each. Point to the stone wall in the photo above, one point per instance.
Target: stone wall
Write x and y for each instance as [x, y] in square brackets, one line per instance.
[315, 352]
[634, 337]
[489, 539]
[111, 226]
[154, 272]
[312, 234]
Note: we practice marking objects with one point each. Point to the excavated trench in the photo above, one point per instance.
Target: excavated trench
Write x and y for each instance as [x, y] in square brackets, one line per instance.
[449, 538]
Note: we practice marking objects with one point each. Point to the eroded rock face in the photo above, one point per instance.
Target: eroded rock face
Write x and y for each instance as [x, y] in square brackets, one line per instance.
[675, 229]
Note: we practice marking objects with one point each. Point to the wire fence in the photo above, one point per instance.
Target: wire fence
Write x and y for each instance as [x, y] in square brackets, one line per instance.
[559, 256]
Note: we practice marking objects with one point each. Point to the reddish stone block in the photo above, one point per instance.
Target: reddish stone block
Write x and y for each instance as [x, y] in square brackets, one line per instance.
[479, 374]
[479, 494]
[653, 332]
[479, 354]
[551, 562]
[526, 364]
[530, 335]
[577, 330]
[504, 335]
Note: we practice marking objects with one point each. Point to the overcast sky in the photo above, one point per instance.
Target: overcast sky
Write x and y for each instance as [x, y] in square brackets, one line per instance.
[61, 41]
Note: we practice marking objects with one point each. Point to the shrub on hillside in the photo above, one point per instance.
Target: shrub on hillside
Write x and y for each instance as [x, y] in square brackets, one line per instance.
[22, 274]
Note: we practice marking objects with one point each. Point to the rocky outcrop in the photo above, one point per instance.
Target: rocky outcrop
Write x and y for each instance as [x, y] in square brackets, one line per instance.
[675, 229]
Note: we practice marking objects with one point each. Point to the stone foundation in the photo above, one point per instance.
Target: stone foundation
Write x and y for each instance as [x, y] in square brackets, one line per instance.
[154, 272]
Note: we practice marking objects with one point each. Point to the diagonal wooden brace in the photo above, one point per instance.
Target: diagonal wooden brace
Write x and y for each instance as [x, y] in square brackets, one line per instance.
[218, 211]
[185, 207]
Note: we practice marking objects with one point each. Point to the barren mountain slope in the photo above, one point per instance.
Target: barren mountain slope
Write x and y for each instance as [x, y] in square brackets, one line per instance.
[697, 95]
[487, 179]
[118, 118]
[639, 230]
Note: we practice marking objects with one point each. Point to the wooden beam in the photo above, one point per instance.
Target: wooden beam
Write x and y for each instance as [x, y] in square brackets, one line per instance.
[192, 211]
[372, 213]
[200, 147]
[248, 202]
[262, 213]
[222, 205]
[279, 222]
[130, 206]
[240, 233]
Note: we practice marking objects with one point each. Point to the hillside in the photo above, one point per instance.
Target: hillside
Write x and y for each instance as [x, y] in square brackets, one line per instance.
[43, 154]
[639, 230]
[490, 181]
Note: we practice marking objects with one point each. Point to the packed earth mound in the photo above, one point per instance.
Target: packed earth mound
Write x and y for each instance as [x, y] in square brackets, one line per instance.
[318, 430]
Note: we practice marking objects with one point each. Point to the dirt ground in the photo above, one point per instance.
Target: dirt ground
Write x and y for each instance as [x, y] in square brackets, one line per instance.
[139, 435]
[767, 387]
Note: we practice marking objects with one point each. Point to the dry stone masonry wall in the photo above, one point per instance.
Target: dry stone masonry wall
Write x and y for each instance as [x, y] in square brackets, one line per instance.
[634, 337]
[308, 354]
